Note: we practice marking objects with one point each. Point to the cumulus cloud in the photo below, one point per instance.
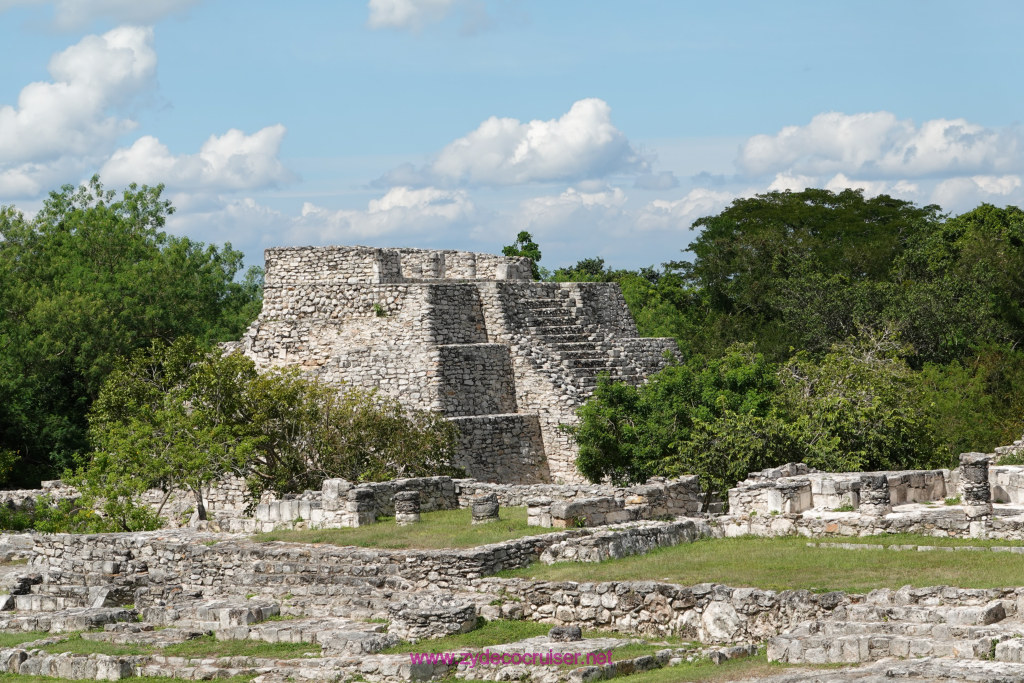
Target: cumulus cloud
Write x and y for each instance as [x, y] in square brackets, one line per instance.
[414, 15]
[61, 128]
[599, 210]
[877, 145]
[233, 161]
[582, 144]
[791, 182]
[75, 14]
[401, 209]
[679, 214]
[71, 114]
[961, 193]
[407, 14]
[665, 180]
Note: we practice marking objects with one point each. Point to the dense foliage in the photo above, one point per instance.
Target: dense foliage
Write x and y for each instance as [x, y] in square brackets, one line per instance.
[846, 332]
[179, 417]
[88, 280]
[877, 334]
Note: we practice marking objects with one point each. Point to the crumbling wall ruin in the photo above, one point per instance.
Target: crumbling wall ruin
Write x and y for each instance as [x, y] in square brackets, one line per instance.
[507, 359]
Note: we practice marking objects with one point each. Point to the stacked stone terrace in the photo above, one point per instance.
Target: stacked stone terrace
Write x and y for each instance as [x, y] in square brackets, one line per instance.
[470, 335]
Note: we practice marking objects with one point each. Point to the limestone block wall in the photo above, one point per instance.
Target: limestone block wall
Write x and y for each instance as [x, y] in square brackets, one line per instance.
[549, 505]
[1007, 482]
[711, 613]
[655, 500]
[507, 448]
[476, 379]
[469, 335]
[794, 488]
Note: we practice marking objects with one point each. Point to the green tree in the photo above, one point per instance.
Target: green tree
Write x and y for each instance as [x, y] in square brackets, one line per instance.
[309, 432]
[860, 408]
[801, 269]
[172, 418]
[525, 246]
[676, 423]
[180, 417]
[91, 278]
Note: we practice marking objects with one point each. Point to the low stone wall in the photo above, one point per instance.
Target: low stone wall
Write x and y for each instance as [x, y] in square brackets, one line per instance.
[204, 560]
[558, 505]
[943, 521]
[794, 488]
[1007, 483]
[711, 613]
[568, 505]
[637, 539]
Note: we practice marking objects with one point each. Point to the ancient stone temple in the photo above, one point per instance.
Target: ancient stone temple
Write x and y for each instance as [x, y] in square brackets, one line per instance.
[471, 335]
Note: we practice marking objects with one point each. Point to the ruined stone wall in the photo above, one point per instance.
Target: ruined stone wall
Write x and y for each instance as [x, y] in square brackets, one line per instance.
[548, 505]
[212, 561]
[469, 335]
[794, 488]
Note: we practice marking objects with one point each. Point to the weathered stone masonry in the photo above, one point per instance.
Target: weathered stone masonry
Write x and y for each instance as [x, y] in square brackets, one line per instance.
[470, 335]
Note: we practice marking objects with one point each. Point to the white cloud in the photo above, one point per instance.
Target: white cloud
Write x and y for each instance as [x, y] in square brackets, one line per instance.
[878, 145]
[75, 14]
[964, 193]
[414, 15]
[664, 180]
[791, 182]
[70, 115]
[407, 14]
[547, 215]
[582, 144]
[401, 210]
[233, 161]
[680, 214]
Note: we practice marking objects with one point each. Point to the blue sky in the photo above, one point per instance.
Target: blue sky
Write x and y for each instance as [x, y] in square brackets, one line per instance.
[604, 128]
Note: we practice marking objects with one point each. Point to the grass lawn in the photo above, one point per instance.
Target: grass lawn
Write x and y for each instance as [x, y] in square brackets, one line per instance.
[501, 631]
[441, 529]
[780, 563]
[12, 639]
[918, 539]
[207, 646]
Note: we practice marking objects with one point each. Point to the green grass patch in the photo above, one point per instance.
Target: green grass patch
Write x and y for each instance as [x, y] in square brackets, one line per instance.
[744, 668]
[918, 539]
[12, 639]
[208, 646]
[781, 563]
[501, 631]
[441, 529]
[80, 646]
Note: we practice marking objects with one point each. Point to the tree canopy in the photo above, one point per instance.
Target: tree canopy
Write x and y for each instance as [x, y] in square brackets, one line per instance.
[894, 331]
[180, 417]
[90, 279]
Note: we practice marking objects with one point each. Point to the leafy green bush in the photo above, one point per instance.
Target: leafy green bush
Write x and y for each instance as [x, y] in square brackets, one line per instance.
[180, 417]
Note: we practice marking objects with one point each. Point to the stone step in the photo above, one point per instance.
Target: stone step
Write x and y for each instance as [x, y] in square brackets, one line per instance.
[213, 615]
[62, 621]
[337, 636]
[915, 629]
[48, 603]
[552, 312]
[581, 354]
[596, 363]
[804, 649]
[990, 613]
